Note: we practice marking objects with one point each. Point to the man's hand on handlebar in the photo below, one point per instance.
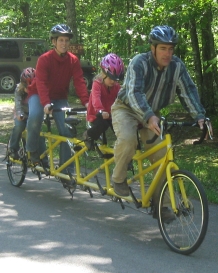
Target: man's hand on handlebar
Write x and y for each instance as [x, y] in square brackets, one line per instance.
[153, 125]
[201, 123]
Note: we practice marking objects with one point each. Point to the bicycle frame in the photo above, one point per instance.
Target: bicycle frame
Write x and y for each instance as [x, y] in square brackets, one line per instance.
[181, 194]
[165, 166]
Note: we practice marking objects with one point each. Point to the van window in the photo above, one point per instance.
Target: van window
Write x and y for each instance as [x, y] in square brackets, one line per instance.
[34, 49]
[9, 50]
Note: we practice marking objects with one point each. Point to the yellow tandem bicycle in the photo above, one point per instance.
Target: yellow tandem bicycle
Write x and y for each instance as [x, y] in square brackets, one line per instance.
[187, 197]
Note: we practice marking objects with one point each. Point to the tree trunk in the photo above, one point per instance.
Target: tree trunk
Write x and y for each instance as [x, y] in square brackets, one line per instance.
[71, 18]
[197, 56]
[25, 9]
[208, 54]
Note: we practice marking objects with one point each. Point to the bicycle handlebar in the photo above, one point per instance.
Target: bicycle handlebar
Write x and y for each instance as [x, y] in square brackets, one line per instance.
[167, 125]
[69, 111]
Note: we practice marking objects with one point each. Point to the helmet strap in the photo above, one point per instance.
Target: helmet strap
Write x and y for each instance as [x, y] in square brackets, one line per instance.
[105, 77]
[155, 47]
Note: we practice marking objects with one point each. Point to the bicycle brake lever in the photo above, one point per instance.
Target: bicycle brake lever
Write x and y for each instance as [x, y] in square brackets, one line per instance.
[161, 127]
[207, 122]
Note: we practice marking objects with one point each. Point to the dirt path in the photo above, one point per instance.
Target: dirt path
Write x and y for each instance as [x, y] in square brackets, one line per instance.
[6, 118]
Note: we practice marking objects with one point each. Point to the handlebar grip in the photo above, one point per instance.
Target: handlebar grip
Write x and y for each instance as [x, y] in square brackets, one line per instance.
[74, 111]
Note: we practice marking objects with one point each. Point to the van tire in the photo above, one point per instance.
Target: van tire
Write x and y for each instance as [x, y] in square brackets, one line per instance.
[7, 82]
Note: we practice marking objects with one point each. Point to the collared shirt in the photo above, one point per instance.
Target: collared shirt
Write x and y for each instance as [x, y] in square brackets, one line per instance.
[146, 89]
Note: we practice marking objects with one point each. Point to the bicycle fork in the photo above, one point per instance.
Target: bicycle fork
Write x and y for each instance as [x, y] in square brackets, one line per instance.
[170, 166]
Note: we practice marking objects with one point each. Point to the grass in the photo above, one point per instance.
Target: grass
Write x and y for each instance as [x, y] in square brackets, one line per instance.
[202, 159]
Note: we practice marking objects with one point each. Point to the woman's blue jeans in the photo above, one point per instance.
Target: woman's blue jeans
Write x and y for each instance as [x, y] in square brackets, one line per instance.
[34, 124]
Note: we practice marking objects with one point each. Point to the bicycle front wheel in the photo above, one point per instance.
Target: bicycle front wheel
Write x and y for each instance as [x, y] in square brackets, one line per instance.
[17, 169]
[185, 232]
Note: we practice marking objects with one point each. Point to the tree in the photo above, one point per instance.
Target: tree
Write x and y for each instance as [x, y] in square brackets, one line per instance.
[122, 27]
[71, 18]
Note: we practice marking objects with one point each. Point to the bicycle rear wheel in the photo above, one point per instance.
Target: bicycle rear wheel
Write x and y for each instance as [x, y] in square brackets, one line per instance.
[186, 232]
[17, 169]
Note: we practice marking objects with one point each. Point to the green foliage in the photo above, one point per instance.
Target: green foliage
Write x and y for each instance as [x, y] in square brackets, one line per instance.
[122, 27]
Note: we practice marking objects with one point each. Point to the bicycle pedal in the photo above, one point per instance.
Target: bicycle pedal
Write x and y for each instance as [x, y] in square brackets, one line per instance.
[70, 184]
[35, 164]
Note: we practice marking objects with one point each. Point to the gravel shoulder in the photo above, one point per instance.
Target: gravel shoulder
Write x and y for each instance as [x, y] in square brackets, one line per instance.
[6, 118]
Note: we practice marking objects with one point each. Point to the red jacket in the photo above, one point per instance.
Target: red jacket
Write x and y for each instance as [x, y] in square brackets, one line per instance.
[53, 75]
[101, 98]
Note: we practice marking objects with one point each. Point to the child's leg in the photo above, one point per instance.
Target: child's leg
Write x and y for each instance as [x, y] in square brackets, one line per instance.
[19, 127]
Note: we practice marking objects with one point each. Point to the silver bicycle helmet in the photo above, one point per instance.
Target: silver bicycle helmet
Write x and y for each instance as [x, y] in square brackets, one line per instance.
[163, 35]
[60, 30]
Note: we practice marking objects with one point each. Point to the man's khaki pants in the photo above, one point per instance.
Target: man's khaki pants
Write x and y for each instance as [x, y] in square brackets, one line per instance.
[125, 124]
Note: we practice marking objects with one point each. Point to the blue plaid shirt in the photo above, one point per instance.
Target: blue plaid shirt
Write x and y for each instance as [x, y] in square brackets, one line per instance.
[146, 89]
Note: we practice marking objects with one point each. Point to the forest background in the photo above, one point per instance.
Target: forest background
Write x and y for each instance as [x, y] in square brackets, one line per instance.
[122, 27]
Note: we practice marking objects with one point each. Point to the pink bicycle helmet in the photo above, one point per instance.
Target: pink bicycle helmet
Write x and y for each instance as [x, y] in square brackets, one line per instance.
[113, 67]
[27, 75]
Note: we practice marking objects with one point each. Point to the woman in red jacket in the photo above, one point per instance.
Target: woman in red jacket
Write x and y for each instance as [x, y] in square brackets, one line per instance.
[104, 92]
[54, 71]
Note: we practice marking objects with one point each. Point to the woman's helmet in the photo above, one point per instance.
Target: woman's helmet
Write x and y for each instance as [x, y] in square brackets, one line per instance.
[27, 75]
[60, 30]
[113, 67]
[163, 35]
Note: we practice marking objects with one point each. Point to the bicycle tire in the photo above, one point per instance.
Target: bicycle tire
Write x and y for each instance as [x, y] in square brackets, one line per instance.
[17, 169]
[187, 231]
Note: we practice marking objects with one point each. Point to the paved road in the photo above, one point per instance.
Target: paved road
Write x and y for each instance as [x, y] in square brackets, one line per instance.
[41, 228]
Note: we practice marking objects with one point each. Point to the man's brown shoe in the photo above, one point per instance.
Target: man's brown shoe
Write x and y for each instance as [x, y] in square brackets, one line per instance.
[121, 189]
